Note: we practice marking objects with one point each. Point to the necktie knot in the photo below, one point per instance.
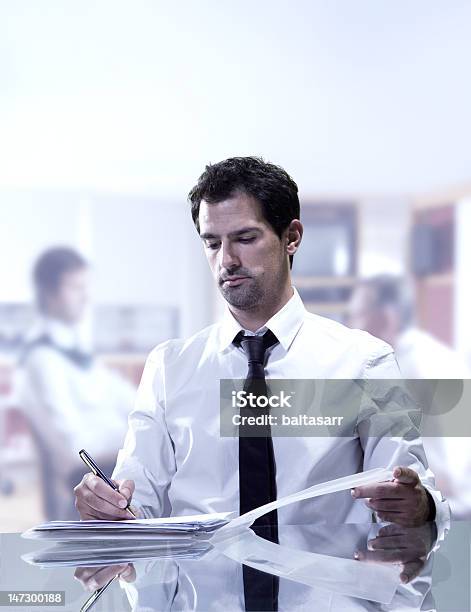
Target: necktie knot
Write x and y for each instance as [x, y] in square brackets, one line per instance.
[255, 347]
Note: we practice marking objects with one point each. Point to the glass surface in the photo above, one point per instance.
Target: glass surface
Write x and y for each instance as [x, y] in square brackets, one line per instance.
[208, 577]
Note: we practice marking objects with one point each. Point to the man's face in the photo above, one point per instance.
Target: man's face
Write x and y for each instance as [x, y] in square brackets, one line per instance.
[69, 301]
[362, 314]
[246, 257]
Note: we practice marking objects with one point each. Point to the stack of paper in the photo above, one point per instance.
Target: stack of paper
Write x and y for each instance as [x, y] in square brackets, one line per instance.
[112, 552]
[168, 529]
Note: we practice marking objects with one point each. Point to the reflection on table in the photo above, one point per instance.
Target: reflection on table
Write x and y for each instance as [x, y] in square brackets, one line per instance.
[395, 569]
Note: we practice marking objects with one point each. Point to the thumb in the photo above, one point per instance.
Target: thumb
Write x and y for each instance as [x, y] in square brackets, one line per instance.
[126, 488]
[406, 475]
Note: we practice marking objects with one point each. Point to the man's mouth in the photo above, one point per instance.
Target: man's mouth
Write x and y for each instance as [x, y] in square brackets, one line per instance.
[233, 281]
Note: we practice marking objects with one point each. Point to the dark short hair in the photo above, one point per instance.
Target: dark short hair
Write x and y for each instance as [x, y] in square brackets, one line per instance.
[267, 183]
[393, 291]
[50, 268]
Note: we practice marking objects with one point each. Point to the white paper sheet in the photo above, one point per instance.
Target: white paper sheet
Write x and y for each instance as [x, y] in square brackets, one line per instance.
[332, 486]
[348, 577]
[170, 527]
[372, 581]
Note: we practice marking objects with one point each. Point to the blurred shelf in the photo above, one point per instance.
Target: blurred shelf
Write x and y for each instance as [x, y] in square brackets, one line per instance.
[326, 307]
[129, 365]
[445, 278]
[311, 282]
[442, 196]
[122, 358]
[433, 264]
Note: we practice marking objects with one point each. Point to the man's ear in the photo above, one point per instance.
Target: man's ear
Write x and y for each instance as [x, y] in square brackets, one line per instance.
[293, 236]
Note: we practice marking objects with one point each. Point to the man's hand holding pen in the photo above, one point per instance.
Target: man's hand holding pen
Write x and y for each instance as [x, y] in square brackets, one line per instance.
[93, 578]
[99, 497]
[95, 499]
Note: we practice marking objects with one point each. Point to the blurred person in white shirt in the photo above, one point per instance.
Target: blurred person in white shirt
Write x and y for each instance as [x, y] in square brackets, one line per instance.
[70, 399]
[384, 306]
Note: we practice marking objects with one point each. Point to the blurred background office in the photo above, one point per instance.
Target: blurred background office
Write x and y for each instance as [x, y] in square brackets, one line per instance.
[109, 113]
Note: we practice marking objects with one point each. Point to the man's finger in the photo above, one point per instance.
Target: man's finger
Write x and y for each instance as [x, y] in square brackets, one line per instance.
[405, 475]
[104, 491]
[93, 578]
[126, 488]
[84, 573]
[388, 543]
[393, 517]
[386, 505]
[89, 513]
[392, 530]
[90, 503]
[411, 570]
[380, 556]
[129, 574]
[103, 576]
[379, 490]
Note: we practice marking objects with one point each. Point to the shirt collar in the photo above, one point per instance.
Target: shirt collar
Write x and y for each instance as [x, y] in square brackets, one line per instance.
[284, 324]
[61, 334]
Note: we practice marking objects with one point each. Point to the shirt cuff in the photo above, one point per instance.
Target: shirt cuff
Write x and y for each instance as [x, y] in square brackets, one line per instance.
[143, 511]
[442, 514]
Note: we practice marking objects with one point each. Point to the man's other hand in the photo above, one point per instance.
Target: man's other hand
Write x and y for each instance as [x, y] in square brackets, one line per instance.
[94, 499]
[93, 578]
[403, 500]
[404, 546]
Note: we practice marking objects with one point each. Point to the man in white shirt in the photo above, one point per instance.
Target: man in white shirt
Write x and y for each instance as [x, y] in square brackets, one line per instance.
[68, 396]
[174, 461]
[384, 305]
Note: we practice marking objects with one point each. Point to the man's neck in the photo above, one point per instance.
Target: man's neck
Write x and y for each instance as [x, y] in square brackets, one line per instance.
[256, 318]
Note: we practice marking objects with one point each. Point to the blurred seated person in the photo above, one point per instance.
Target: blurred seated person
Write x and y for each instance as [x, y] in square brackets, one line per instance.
[384, 306]
[70, 399]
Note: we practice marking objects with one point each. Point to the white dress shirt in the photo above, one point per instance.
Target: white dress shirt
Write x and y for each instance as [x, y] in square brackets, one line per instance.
[72, 407]
[180, 464]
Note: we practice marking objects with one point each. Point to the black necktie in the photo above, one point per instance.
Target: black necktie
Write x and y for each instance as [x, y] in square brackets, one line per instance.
[257, 471]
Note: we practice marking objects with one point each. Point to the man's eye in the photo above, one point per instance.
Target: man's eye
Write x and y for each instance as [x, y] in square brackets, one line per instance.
[246, 240]
[212, 245]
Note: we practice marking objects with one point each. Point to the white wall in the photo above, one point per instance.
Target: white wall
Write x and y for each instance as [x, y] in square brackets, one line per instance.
[349, 96]
[108, 97]
[384, 225]
[29, 223]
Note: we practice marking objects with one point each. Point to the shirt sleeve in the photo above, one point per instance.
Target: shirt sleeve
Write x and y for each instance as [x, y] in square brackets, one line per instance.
[147, 456]
[50, 406]
[388, 427]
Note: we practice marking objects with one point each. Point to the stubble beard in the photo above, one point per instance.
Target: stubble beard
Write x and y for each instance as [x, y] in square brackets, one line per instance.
[244, 297]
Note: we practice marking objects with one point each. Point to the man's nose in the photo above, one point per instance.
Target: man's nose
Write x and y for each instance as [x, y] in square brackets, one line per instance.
[228, 258]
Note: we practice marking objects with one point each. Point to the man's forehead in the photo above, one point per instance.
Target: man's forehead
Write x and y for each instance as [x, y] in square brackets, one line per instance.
[230, 215]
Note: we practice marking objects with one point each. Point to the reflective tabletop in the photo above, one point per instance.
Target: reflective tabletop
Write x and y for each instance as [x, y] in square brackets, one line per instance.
[316, 567]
